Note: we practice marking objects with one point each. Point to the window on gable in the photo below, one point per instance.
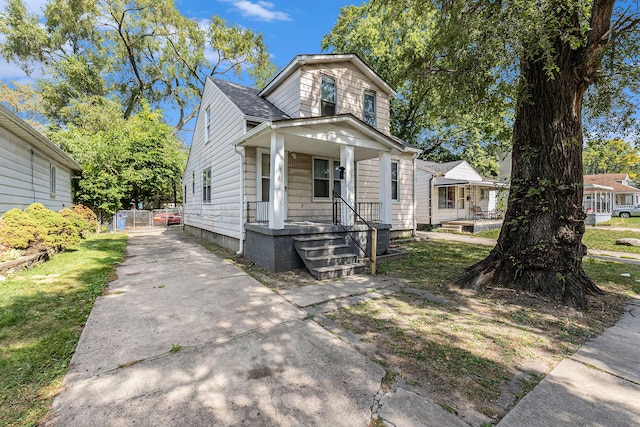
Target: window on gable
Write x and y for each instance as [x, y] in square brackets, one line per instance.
[208, 123]
[52, 180]
[446, 197]
[206, 185]
[394, 181]
[369, 108]
[328, 96]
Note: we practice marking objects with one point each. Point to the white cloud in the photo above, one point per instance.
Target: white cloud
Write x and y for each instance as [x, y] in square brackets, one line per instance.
[260, 10]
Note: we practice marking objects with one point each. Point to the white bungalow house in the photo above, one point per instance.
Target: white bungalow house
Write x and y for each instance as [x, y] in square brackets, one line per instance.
[274, 172]
[603, 193]
[455, 192]
[32, 168]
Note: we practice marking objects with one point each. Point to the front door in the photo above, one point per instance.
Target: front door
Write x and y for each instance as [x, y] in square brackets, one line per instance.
[462, 202]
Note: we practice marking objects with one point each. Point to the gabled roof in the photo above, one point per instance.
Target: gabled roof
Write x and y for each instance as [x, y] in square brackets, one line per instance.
[440, 168]
[613, 180]
[330, 58]
[248, 101]
[17, 126]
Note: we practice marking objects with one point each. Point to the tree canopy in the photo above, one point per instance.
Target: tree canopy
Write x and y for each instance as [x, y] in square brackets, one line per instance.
[470, 67]
[127, 51]
[125, 162]
[611, 156]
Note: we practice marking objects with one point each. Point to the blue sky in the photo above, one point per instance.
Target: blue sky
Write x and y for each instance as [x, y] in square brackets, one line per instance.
[289, 27]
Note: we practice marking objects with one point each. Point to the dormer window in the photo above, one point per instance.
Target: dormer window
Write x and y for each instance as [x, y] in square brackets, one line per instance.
[369, 108]
[328, 96]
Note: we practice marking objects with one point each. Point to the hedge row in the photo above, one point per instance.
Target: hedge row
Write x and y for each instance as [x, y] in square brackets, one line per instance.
[41, 228]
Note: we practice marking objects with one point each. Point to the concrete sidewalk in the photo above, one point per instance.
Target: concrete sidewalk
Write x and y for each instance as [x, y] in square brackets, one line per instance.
[242, 355]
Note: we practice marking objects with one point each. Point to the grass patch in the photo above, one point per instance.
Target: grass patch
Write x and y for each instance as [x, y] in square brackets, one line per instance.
[633, 222]
[42, 312]
[466, 354]
[594, 238]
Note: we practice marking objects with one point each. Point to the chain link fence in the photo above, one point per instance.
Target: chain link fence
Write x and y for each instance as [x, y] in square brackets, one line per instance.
[139, 218]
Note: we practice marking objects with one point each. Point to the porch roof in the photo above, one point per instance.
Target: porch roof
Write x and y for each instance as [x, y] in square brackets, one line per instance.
[444, 182]
[303, 134]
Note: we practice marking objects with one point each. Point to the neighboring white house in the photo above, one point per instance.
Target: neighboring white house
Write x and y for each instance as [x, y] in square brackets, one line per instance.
[623, 191]
[454, 191]
[264, 164]
[32, 168]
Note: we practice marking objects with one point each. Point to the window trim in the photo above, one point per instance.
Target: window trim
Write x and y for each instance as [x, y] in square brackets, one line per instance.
[206, 189]
[207, 123]
[52, 180]
[259, 153]
[335, 101]
[332, 177]
[453, 199]
[375, 107]
[397, 180]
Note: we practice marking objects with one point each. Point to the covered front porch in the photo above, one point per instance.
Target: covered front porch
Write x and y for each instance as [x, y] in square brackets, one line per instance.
[304, 177]
[468, 202]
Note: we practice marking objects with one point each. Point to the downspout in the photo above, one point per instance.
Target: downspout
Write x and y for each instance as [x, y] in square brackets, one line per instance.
[431, 200]
[242, 203]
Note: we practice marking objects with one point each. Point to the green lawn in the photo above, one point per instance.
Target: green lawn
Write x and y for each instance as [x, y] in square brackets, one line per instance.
[623, 222]
[594, 238]
[42, 312]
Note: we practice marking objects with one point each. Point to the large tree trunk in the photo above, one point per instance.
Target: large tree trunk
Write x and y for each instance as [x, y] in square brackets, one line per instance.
[540, 245]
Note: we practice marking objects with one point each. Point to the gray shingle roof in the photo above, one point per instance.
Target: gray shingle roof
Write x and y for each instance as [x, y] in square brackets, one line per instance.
[247, 99]
[441, 168]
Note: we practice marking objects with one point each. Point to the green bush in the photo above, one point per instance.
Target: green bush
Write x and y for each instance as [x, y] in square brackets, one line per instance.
[18, 230]
[54, 231]
[88, 215]
[77, 221]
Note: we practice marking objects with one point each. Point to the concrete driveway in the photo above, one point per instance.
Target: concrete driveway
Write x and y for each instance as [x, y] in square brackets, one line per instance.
[242, 355]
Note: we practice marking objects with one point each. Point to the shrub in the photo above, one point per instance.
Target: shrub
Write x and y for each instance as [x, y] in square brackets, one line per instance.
[88, 216]
[54, 231]
[17, 229]
[76, 220]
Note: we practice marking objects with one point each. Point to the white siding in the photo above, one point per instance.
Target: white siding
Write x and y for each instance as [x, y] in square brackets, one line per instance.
[287, 95]
[222, 215]
[423, 193]
[368, 184]
[463, 171]
[25, 179]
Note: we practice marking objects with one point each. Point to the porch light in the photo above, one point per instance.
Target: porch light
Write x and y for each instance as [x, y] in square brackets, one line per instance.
[294, 155]
[340, 170]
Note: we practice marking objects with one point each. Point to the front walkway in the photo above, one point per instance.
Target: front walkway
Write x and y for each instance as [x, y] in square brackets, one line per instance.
[184, 338]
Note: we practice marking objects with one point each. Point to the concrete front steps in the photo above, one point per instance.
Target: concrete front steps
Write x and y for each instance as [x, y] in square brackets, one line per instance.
[327, 256]
[451, 228]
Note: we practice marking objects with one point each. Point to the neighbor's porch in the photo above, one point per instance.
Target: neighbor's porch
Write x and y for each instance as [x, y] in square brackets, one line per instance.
[467, 202]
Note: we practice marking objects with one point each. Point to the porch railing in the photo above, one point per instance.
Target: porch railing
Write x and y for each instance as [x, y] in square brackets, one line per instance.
[258, 212]
[365, 212]
[340, 207]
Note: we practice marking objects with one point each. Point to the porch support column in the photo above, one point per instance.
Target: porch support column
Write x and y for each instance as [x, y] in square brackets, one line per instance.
[384, 160]
[348, 183]
[276, 182]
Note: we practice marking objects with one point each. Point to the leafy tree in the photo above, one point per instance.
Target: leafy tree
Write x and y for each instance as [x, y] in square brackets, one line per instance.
[126, 50]
[555, 51]
[449, 95]
[126, 161]
[611, 156]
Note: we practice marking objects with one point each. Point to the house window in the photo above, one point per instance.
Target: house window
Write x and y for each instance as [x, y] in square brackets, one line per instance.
[206, 185]
[207, 119]
[484, 194]
[394, 181]
[446, 197]
[265, 176]
[52, 180]
[193, 182]
[328, 96]
[369, 108]
[321, 178]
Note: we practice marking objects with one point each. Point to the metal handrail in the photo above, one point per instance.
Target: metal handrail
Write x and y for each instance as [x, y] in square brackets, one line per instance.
[372, 229]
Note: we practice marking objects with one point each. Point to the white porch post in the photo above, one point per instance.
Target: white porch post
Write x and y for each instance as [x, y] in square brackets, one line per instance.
[276, 182]
[384, 160]
[348, 191]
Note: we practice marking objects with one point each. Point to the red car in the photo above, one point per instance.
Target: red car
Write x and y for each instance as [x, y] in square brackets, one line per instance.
[167, 218]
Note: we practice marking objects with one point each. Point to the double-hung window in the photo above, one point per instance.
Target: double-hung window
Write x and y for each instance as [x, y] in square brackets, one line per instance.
[394, 181]
[328, 96]
[369, 108]
[206, 185]
[326, 178]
